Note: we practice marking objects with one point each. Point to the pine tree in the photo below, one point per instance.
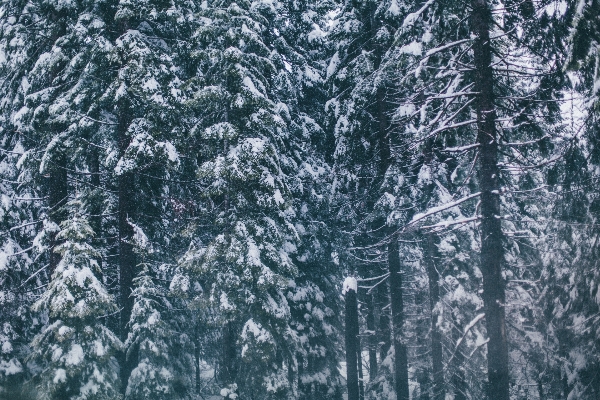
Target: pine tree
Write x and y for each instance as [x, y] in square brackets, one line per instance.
[162, 349]
[76, 352]
[570, 272]
[247, 164]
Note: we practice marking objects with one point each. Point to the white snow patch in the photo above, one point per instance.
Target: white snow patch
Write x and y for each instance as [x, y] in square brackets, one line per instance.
[6, 347]
[350, 283]
[414, 48]
[225, 304]
[412, 17]
[278, 198]
[558, 8]
[394, 8]
[250, 85]
[333, 64]
[257, 144]
[75, 355]
[10, 367]
[60, 376]
[151, 84]
[172, 153]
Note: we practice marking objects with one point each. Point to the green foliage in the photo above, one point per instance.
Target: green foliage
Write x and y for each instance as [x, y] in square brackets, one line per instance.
[76, 352]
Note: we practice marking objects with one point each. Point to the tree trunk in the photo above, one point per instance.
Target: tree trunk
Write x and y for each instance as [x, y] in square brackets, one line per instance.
[359, 363]
[491, 231]
[439, 389]
[197, 355]
[127, 259]
[384, 331]
[228, 370]
[401, 359]
[96, 206]
[352, 345]
[57, 198]
[458, 377]
[372, 337]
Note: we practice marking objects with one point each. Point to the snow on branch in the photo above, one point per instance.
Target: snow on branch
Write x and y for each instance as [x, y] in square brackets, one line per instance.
[445, 224]
[460, 149]
[469, 326]
[435, 210]
[412, 17]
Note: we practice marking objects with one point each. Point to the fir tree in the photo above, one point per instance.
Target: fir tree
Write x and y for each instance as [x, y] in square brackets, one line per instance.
[161, 347]
[76, 352]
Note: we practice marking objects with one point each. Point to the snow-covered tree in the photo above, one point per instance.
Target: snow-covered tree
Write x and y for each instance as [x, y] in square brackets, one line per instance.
[75, 353]
[158, 341]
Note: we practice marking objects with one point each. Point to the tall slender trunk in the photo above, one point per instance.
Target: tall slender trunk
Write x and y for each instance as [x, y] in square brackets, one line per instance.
[371, 337]
[127, 259]
[491, 232]
[401, 358]
[439, 389]
[424, 384]
[57, 198]
[359, 363]
[228, 370]
[96, 204]
[458, 378]
[352, 345]
[197, 355]
[541, 393]
[384, 331]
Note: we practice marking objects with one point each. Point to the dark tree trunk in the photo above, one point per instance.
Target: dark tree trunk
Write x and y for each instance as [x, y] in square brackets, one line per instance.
[372, 337]
[541, 393]
[127, 259]
[57, 198]
[424, 384]
[384, 331]
[491, 231]
[359, 362]
[352, 345]
[439, 389]
[96, 206]
[458, 368]
[197, 355]
[401, 358]
[228, 370]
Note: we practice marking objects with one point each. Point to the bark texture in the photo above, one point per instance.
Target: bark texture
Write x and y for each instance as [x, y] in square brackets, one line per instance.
[490, 230]
[438, 388]
[352, 345]
[401, 359]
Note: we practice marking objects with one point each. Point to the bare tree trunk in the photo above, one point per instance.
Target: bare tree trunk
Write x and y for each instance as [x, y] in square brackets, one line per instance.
[127, 259]
[96, 206]
[57, 198]
[197, 355]
[228, 370]
[372, 337]
[352, 345]
[359, 362]
[458, 377]
[439, 389]
[492, 252]
[384, 331]
[401, 358]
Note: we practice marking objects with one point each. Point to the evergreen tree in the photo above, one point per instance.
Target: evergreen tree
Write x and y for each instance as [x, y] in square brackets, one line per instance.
[247, 164]
[76, 352]
[162, 349]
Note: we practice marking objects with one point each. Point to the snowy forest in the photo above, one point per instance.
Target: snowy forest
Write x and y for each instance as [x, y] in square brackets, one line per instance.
[299, 199]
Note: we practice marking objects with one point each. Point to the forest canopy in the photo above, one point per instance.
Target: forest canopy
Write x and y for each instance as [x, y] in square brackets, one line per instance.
[299, 199]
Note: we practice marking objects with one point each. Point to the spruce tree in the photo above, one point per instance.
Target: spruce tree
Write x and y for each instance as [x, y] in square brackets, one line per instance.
[76, 352]
[157, 339]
